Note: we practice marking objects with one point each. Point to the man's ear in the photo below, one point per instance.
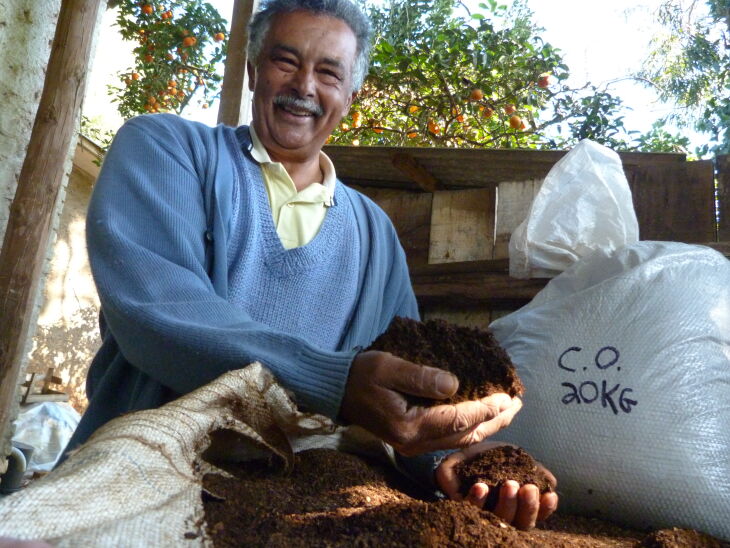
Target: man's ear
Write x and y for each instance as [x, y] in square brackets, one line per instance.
[251, 70]
[346, 110]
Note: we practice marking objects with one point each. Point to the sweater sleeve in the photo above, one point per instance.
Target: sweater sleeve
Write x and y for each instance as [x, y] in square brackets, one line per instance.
[146, 234]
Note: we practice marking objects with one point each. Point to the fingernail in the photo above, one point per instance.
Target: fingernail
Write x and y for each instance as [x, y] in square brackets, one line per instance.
[446, 384]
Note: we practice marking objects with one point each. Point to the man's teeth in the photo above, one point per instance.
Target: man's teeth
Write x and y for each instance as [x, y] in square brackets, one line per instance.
[298, 112]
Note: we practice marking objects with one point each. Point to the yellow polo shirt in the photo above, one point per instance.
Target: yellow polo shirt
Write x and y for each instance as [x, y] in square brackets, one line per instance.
[298, 216]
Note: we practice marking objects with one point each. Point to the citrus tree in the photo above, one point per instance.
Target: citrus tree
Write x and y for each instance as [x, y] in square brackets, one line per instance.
[179, 44]
[444, 76]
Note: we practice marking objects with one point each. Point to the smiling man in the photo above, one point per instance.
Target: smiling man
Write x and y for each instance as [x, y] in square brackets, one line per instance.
[212, 248]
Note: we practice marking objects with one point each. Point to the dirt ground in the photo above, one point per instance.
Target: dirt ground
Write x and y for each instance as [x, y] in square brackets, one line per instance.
[333, 499]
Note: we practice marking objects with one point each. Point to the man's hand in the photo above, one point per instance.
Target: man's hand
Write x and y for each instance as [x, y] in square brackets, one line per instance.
[520, 505]
[374, 400]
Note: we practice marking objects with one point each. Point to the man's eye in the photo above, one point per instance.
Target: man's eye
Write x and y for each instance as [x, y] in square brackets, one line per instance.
[330, 76]
[285, 62]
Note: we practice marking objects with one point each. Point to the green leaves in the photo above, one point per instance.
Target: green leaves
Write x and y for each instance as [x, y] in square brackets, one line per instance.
[689, 67]
[428, 59]
[180, 44]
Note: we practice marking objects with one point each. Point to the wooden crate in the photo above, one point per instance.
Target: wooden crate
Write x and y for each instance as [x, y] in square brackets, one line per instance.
[455, 209]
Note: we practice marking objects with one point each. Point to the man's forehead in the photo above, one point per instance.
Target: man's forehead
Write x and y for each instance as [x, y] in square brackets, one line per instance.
[301, 18]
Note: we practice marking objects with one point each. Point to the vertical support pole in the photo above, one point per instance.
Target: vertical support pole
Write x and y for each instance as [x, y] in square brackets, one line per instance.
[234, 75]
[26, 237]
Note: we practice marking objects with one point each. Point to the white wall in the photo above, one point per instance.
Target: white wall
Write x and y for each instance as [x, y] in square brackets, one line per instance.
[26, 32]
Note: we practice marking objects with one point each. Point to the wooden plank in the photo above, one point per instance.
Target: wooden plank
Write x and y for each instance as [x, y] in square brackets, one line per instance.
[411, 216]
[475, 289]
[462, 168]
[415, 171]
[513, 205]
[675, 202]
[466, 317]
[462, 225]
[27, 233]
[722, 247]
[722, 163]
[498, 266]
[234, 73]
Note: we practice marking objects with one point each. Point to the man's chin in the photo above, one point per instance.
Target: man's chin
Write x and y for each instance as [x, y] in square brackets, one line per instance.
[297, 140]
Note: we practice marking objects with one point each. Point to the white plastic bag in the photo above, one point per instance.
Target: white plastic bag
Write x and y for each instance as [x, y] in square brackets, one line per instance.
[583, 205]
[47, 427]
[626, 362]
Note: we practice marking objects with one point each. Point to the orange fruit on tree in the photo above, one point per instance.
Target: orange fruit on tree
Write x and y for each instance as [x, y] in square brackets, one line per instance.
[487, 112]
[515, 122]
[172, 83]
[543, 81]
[169, 56]
[413, 109]
[433, 127]
[148, 58]
[509, 109]
[135, 76]
[378, 129]
[147, 9]
[189, 41]
[412, 135]
[219, 37]
[476, 95]
[460, 118]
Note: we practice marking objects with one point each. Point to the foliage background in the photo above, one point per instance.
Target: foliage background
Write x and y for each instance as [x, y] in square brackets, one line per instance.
[442, 75]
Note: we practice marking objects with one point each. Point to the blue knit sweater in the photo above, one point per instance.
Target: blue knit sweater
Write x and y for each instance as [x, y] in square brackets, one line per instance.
[187, 294]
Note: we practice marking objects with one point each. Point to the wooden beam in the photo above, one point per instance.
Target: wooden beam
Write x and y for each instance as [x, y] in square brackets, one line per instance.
[722, 165]
[234, 74]
[26, 237]
[416, 172]
[472, 283]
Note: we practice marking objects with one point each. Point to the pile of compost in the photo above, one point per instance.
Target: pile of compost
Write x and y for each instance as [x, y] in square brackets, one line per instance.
[336, 499]
[332, 499]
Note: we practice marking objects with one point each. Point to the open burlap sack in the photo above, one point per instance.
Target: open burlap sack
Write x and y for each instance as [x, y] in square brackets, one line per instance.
[137, 481]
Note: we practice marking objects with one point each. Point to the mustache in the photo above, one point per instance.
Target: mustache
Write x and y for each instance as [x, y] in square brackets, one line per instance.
[298, 103]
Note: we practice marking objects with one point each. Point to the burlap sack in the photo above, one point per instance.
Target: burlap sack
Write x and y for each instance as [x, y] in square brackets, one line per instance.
[137, 481]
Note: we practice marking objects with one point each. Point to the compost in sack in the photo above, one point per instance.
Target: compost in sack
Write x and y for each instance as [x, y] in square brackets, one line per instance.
[625, 359]
[583, 205]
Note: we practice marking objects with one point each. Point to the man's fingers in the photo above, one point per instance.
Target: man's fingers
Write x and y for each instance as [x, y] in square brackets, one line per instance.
[477, 495]
[548, 505]
[528, 504]
[462, 424]
[507, 502]
[417, 380]
[446, 478]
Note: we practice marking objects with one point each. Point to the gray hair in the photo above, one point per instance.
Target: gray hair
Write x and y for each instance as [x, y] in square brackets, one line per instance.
[340, 9]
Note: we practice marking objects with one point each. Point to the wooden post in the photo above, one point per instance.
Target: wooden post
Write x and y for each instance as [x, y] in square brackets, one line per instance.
[26, 236]
[722, 165]
[234, 75]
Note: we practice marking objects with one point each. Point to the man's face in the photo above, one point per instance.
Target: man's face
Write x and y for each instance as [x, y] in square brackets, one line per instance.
[302, 83]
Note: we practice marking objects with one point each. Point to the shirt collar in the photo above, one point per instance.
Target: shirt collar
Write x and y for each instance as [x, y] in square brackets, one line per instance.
[261, 155]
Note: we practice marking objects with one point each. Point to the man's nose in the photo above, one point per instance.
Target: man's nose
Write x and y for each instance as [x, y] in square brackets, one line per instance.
[304, 82]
